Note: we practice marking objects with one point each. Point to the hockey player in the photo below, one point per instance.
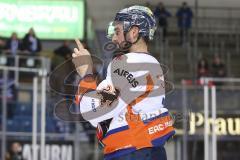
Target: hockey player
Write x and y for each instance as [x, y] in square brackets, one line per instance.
[127, 107]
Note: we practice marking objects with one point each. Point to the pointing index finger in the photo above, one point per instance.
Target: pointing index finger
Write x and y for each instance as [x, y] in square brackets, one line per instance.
[79, 44]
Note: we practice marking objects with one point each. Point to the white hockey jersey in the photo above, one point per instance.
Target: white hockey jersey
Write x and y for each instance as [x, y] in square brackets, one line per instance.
[132, 95]
[126, 73]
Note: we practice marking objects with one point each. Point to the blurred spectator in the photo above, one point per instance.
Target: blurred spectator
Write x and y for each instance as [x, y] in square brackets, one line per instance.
[13, 45]
[2, 44]
[184, 16]
[218, 69]
[162, 14]
[31, 43]
[64, 50]
[202, 68]
[15, 152]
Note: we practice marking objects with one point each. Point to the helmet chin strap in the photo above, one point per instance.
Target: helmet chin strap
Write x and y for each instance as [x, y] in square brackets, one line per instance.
[125, 35]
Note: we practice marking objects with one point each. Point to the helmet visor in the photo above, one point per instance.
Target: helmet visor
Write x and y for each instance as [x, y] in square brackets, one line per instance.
[110, 30]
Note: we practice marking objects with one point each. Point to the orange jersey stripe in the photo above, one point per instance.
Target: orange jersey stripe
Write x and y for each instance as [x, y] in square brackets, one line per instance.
[86, 84]
[138, 137]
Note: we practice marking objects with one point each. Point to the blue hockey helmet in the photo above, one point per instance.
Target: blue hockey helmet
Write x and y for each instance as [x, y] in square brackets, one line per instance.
[139, 16]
